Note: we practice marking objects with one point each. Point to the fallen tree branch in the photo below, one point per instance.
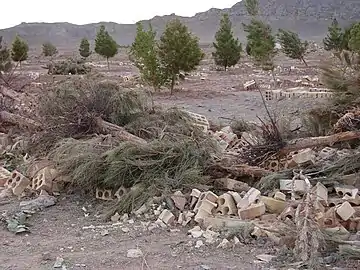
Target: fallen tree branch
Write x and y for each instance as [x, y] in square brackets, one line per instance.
[21, 121]
[105, 127]
[310, 142]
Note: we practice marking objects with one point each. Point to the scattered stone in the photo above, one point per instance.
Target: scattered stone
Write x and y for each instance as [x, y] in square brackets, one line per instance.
[116, 217]
[104, 233]
[199, 244]
[59, 262]
[134, 253]
[179, 200]
[125, 229]
[224, 244]
[196, 232]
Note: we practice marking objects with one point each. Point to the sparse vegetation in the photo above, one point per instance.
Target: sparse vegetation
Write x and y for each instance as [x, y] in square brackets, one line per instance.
[84, 48]
[49, 50]
[227, 48]
[337, 38]
[144, 54]
[292, 46]
[19, 50]
[105, 45]
[5, 57]
[179, 50]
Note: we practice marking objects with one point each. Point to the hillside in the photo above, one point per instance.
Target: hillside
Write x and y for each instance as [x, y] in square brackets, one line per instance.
[310, 18]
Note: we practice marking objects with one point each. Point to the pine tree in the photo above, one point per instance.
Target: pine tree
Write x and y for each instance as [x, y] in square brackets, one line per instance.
[354, 38]
[292, 46]
[84, 48]
[5, 57]
[179, 50]
[144, 54]
[334, 41]
[19, 50]
[260, 40]
[49, 49]
[227, 48]
[105, 45]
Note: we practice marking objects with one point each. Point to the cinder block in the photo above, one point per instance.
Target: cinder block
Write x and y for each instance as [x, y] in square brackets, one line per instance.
[167, 217]
[289, 212]
[286, 185]
[233, 185]
[226, 205]
[253, 211]
[320, 193]
[43, 180]
[252, 196]
[208, 195]
[4, 176]
[353, 200]
[280, 196]
[36, 166]
[343, 190]
[179, 200]
[219, 222]
[345, 211]
[272, 205]
[236, 196]
[195, 195]
[120, 193]
[304, 157]
[104, 194]
[17, 183]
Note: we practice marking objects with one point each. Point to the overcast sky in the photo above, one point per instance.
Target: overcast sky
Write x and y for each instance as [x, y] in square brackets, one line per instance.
[82, 11]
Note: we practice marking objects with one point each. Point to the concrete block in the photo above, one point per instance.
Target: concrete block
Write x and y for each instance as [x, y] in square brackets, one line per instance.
[355, 200]
[327, 153]
[233, 185]
[121, 192]
[43, 180]
[320, 193]
[253, 211]
[345, 211]
[195, 195]
[179, 200]
[4, 176]
[335, 201]
[289, 212]
[209, 196]
[206, 208]
[343, 190]
[226, 205]
[36, 166]
[167, 217]
[17, 183]
[304, 157]
[252, 196]
[236, 196]
[219, 222]
[280, 196]
[104, 194]
[286, 185]
[272, 205]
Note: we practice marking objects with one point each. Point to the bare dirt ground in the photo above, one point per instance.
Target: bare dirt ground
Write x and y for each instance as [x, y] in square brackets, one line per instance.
[58, 231]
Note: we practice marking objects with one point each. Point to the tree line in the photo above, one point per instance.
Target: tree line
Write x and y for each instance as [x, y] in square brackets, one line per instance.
[160, 62]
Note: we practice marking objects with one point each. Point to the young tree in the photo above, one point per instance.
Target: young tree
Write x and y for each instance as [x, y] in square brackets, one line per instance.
[19, 50]
[5, 57]
[260, 40]
[84, 48]
[144, 54]
[227, 48]
[179, 50]
[292, 46]
[354, 38]
[105, 45]
[49, 49]
[334, 39]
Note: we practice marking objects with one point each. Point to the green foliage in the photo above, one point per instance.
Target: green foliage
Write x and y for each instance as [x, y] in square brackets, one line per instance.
[105, 45]
[144, 53]
[84, 48]
[252, 7]
[261, 43]
[49, 49]
[179, 50]
[292, 46]
[5, 59]
[19, 50]
[335, 39]
[227, 48]
[354, 40]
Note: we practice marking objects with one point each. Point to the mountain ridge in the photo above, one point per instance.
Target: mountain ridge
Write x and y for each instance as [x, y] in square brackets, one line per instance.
[310, 18]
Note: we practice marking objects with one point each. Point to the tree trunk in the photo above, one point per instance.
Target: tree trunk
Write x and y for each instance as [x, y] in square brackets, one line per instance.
[108, 64]
[105, 127]
[172, 84]
[19, 120]
[303, 143]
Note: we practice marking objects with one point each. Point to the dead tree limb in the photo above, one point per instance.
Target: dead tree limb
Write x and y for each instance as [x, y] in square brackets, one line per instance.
[303, 143]
[18, 120]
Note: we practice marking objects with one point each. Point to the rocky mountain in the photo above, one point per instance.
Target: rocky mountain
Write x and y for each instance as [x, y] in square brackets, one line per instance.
[310, 18]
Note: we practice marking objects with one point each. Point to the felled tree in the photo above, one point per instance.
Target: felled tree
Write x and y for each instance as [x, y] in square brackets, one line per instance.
[334, 39]
[84, 48]
[19, 50]
[49, 49]
[105, 45]
[144, 54]
[292, 46]
[179, 50]
[227, 48]
[5, 59]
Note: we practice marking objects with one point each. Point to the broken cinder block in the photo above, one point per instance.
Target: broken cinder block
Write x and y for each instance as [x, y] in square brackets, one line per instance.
[195, 195]
[4, 176]
[226, 205]
[272, 205]
[179, 200]
[280, 196]
[304, 157]
[43, 180]
[299, 185]
[209, 196]
[17, 183]
[321, 193]
[343, 190]
[120, 193]
[252, 196]
[167, 217]
[253, 211]
[104, 194]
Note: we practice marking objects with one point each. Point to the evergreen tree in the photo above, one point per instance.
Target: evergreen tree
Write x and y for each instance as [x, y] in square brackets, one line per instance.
[19, 50]
[334, 41]
[144, 54]
[292, 46]
[105, 45]
[227, 48]
[5, 57]
[84, 48]
[49, 49]
[260, 40]
[354, 38]
[179, 50]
